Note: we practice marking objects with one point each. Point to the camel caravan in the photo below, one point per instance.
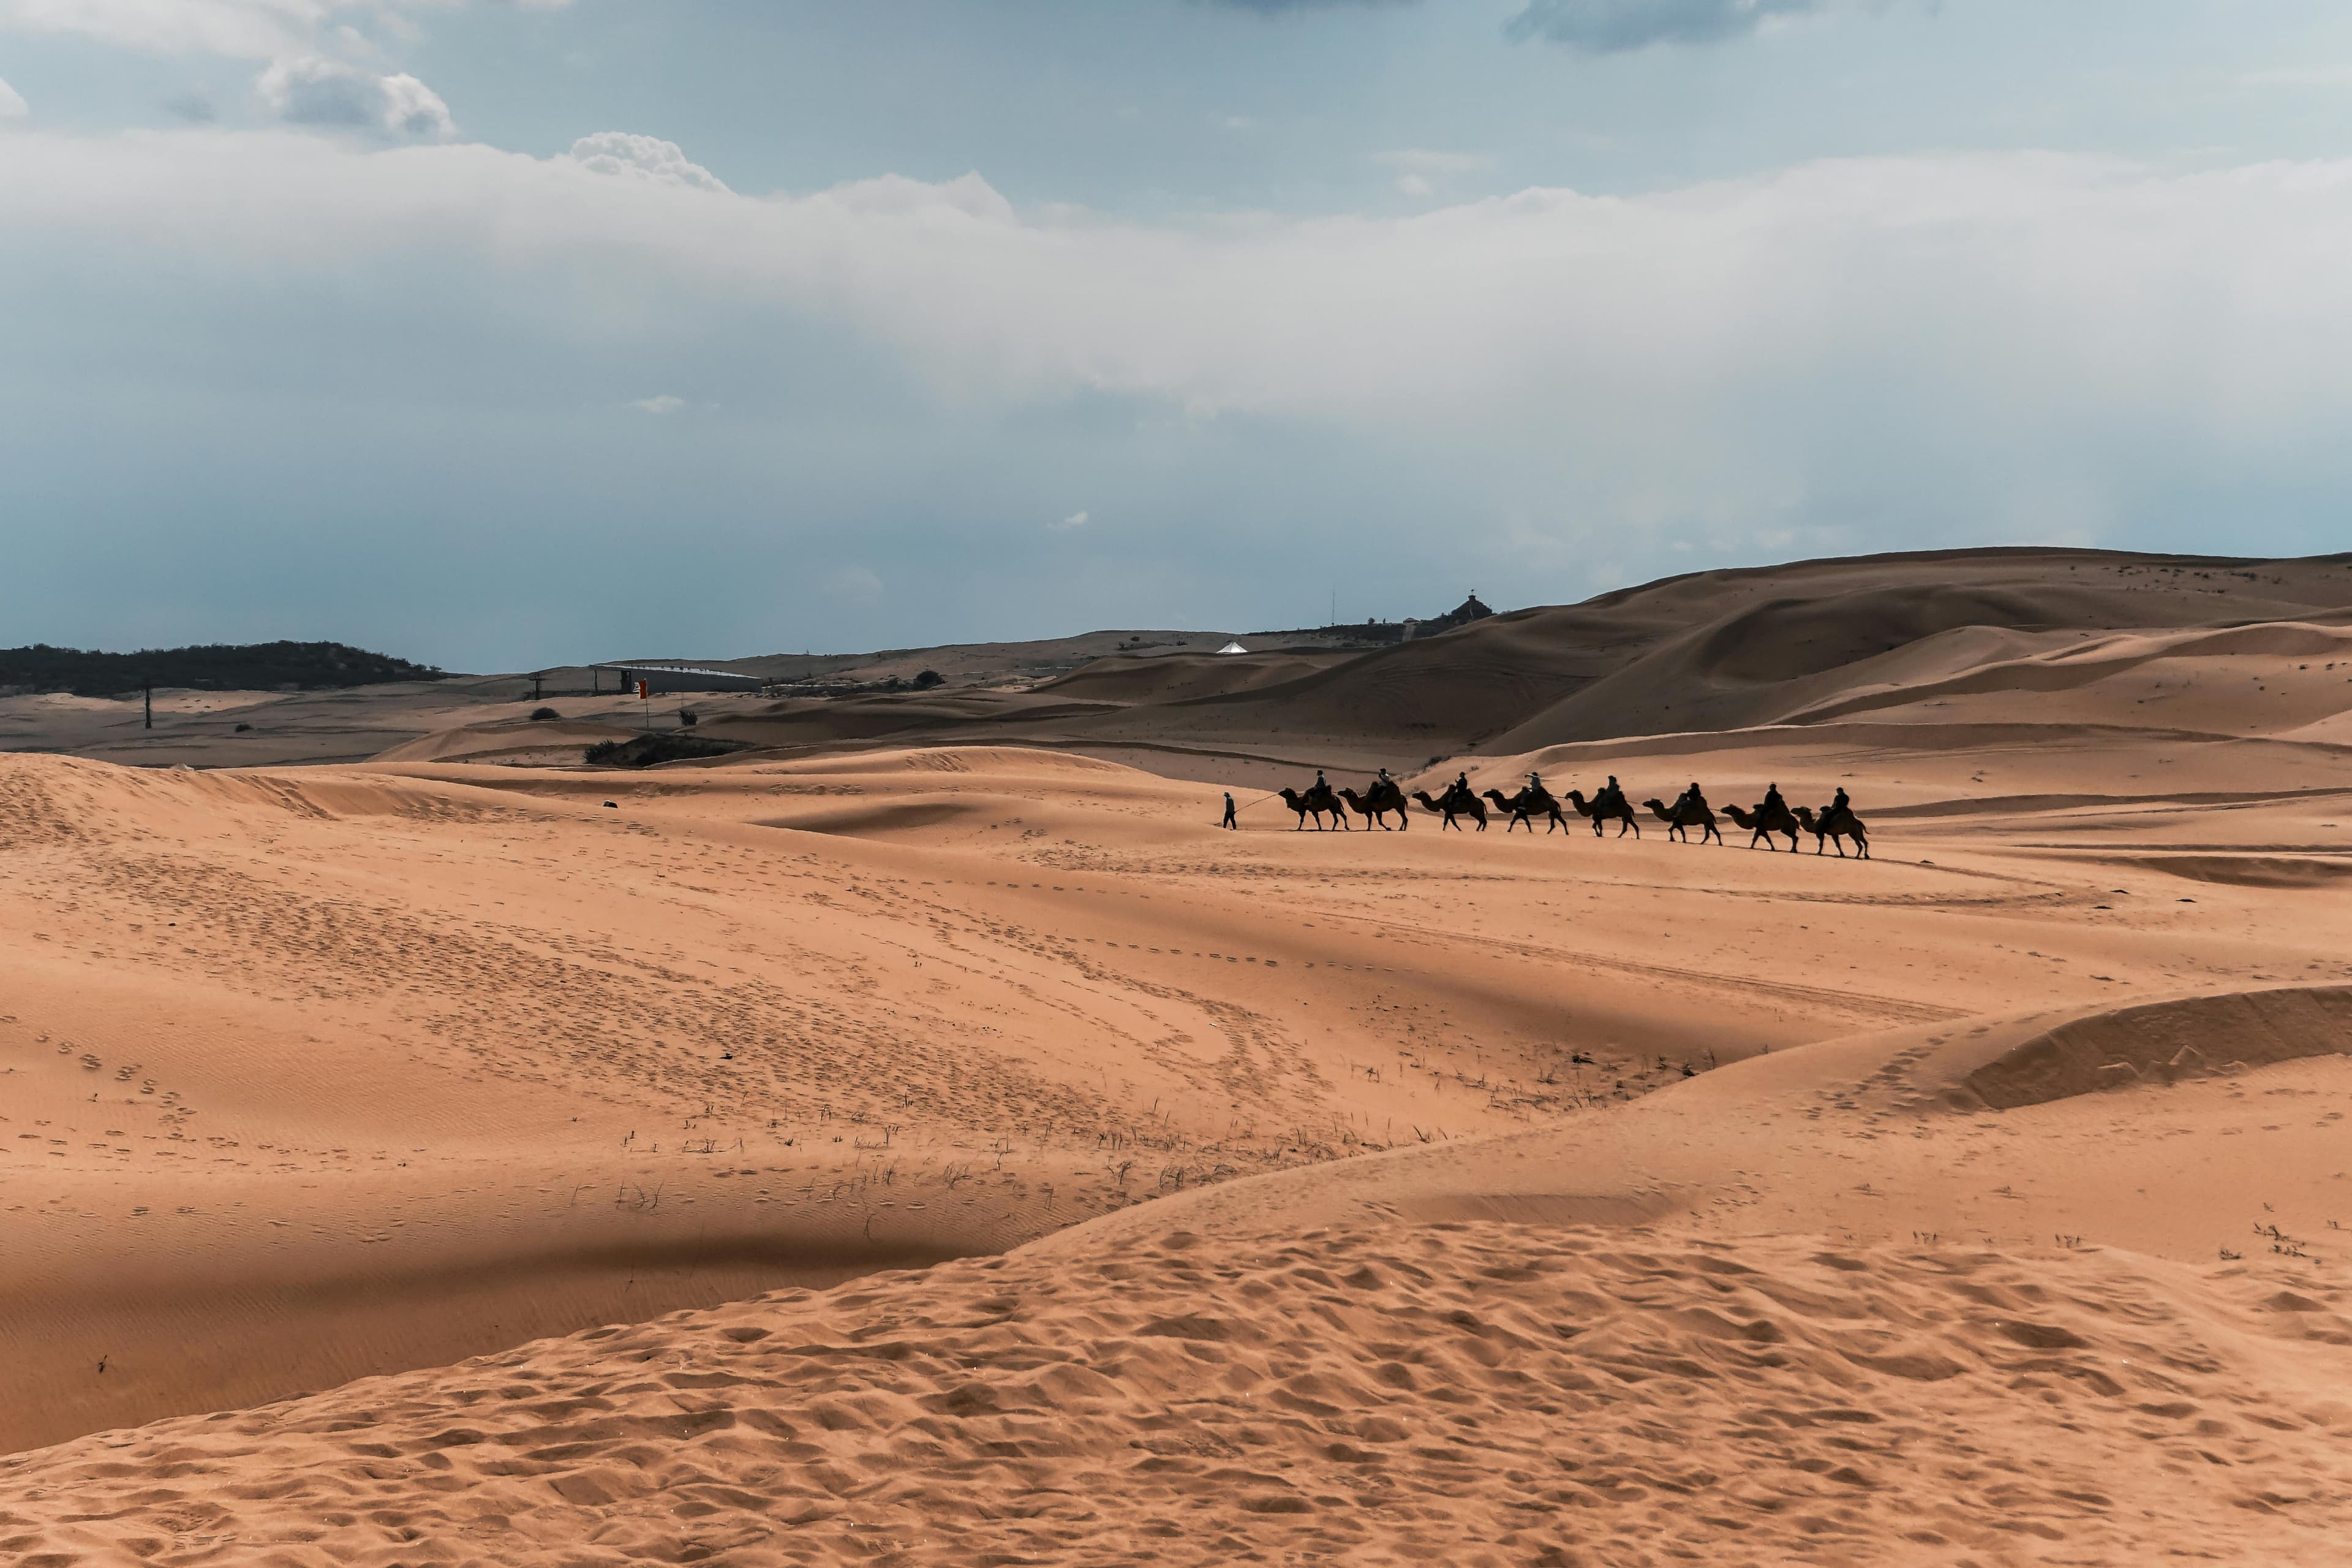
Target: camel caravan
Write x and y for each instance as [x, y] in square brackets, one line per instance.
[1765, 822]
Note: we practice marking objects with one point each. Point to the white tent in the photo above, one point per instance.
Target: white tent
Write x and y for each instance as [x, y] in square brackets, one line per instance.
[1233, 648]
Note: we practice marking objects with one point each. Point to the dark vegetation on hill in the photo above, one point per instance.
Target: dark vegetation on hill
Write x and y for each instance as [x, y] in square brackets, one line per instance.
[652, 751]
[216, 666]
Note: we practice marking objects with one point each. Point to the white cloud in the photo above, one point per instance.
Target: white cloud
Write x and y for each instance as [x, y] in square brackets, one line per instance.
[245, 29]
[1425, 160]
[855, 585]
[1419, 169]
[643, 158]
[1075, 520]
[664, 404]
[12, 104]
[241, 29]
[1968, 332]
[896, 195]
[322, 92]
[2338, 74]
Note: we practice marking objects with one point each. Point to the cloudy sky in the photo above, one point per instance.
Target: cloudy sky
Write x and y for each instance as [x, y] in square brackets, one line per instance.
[503, 332]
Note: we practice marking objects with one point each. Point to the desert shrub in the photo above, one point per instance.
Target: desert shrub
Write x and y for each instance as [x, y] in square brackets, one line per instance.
[930, 679]
[541, 715]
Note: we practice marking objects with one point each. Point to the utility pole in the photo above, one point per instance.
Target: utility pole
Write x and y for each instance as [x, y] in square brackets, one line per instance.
[151, 705]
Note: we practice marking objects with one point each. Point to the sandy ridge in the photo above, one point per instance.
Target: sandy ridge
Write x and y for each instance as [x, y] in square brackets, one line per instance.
[1487, 1394]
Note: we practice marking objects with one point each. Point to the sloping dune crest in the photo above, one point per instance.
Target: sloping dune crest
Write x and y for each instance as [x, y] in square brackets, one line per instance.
[2168, 1041]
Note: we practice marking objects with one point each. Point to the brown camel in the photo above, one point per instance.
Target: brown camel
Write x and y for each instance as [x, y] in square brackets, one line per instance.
[1838, 828]
[1306, 805]
[1683, 819]
[1375, 807]
[1761, 824]
[1616, 811]
[1454, 806]
[1321, 796]
[1387, 794]
[1522, 808]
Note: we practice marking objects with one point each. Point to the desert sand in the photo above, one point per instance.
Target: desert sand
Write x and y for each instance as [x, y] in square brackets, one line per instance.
[943, 1143]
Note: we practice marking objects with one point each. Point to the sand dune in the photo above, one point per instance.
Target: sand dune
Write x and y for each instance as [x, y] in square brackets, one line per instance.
[1127, 1188]
[1468, 1394]
[511, 740]
[1928, 637]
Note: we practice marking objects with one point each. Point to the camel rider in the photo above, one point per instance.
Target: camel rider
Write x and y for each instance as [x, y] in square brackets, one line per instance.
[1772, 800]
[1458, 792]
[1320, 787]
[1839, 809]
[1612, 793]
[1534, 784]
[1693, 800]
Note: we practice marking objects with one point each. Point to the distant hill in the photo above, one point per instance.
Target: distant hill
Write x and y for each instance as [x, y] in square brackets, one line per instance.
[2004, 633]
[216, 667]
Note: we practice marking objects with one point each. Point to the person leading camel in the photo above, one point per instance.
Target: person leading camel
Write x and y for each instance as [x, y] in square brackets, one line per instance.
[1230, 820]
